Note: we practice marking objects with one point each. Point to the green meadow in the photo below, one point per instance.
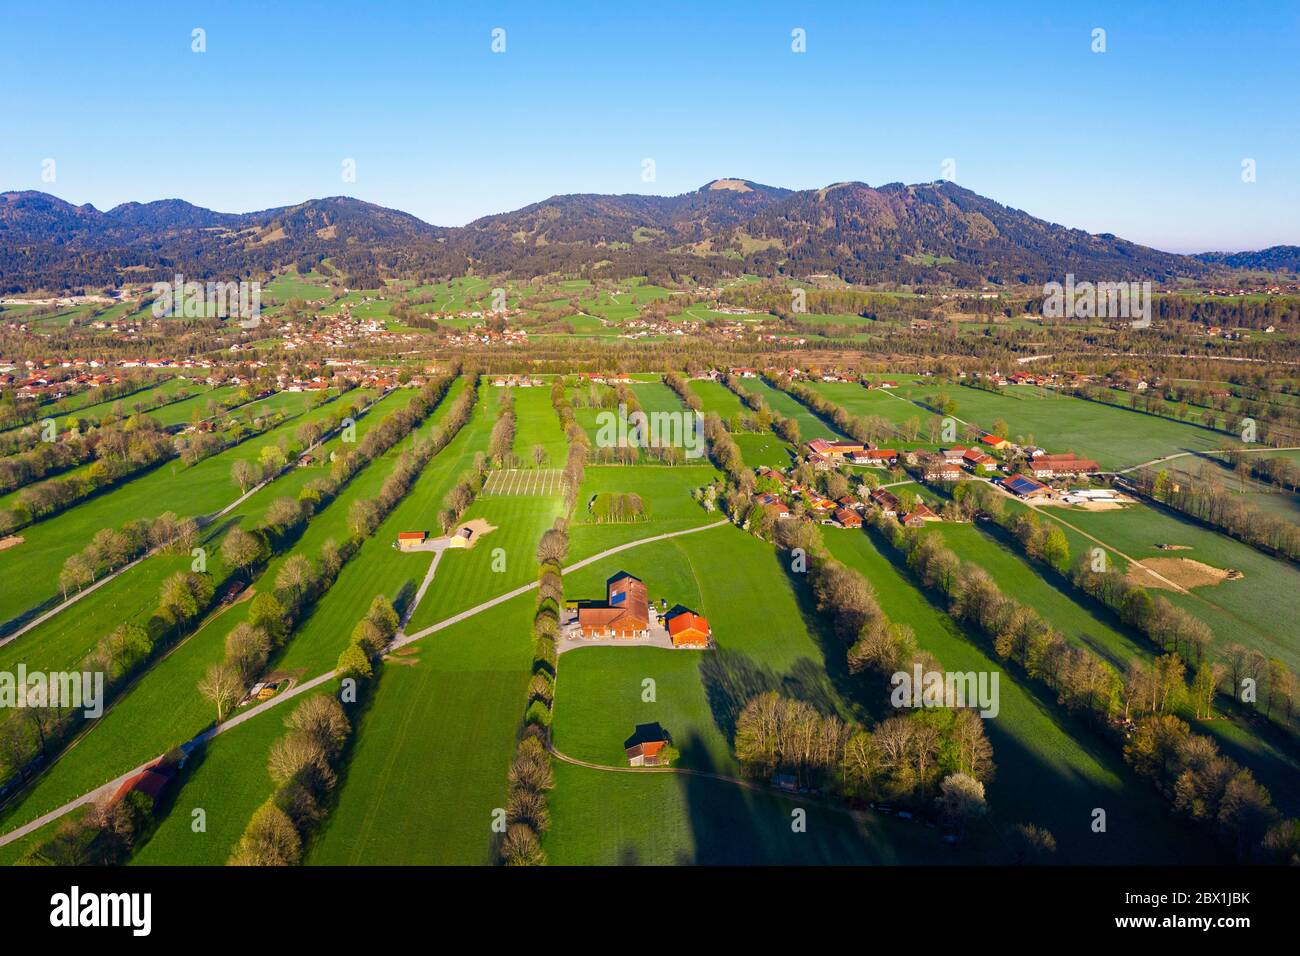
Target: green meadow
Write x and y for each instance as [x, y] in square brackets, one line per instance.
[432, 750]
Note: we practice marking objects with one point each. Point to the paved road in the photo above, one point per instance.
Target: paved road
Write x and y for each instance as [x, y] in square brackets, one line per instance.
[110, 786]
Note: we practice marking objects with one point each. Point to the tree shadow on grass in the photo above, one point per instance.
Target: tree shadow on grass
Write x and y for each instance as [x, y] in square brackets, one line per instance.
[733, 826]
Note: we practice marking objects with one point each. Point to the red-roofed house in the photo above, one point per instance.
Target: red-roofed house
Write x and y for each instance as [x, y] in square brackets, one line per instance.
[878, 457]
[689, 629]
[835, 449]
[625, 614]
[977, 461]
[848, 518]
[410, 540]
[151, 781]
[1053, 466]
[645, 754]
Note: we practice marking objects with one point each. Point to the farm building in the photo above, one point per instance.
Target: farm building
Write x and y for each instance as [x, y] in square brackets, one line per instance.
[848, 518]
[688, 629]
[835, 449]
[877, 457]
[993, 441]
[1055, 466]
[151, 781]
[886, 501]
[461, 539]
[625, 613]
[1025, 487]
[935, 468]
[410, 540]
[645, 754]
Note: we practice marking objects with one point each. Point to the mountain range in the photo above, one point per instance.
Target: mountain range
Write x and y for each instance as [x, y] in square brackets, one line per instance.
[923, 234]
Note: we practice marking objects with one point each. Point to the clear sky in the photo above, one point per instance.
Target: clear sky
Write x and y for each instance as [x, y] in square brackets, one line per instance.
[1145, 140]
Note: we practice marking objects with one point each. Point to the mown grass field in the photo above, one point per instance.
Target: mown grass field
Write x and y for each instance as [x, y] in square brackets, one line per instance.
[618, 819]
[431, 755]
[737, 582]
[502, 559]
[1243, 611]
[535, 424]
[379, 568]
[1083, 622]
[666, 492]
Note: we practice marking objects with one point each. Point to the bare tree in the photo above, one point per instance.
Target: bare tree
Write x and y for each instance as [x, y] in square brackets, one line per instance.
[221, 686]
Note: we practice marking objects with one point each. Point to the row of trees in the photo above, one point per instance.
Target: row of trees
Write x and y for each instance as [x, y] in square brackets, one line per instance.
[787, 429]
[864, 428]
[1280, 472]
[575, 464]
[31, 734]
[502, 441]
[1086, 683]
[110, 548]
[140, 449]
[303, 765]
[527, 816]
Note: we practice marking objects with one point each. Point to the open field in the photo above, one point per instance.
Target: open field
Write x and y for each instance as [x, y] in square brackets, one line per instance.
[623, 819]
[665, 491]
[810, 425]
[524, 483]
[433, 748]
[536, 425]
[1266, 751]
[1243, 610]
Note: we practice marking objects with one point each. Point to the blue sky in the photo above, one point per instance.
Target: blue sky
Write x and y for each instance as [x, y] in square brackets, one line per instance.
[1145, 140]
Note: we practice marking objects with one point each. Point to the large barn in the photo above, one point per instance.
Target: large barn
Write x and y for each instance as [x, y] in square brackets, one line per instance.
[625, 613]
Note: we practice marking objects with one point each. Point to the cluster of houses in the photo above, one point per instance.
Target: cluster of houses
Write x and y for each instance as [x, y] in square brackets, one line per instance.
[845, 511]
[517, 381]
[605, 378]
[482, 335]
